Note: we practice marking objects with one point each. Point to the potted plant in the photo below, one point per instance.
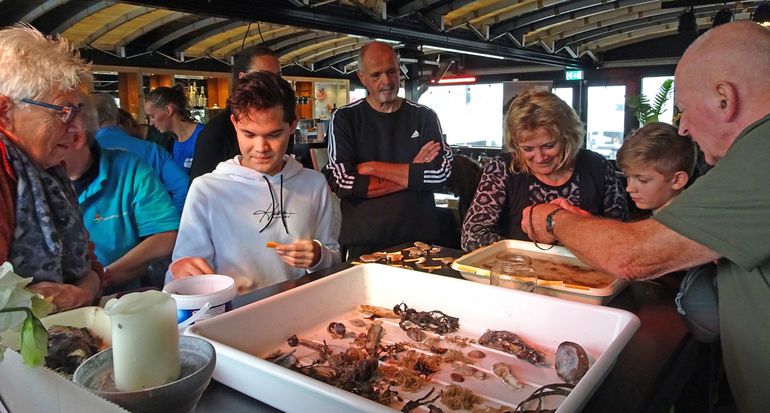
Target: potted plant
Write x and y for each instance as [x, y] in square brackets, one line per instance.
[646, 111]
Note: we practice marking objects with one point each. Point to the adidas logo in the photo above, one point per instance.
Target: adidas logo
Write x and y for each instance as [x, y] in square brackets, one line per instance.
[415, 135]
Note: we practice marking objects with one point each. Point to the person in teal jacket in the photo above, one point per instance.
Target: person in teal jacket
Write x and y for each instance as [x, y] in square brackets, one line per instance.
[112, 136]
[126, 209]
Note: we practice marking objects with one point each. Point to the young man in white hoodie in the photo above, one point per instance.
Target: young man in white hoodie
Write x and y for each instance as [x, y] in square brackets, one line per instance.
[260, 217]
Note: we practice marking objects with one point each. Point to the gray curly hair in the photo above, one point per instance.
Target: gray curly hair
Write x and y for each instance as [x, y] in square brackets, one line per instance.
[35, 64]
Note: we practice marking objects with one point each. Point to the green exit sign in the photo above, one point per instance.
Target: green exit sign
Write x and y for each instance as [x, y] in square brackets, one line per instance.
[574, 74]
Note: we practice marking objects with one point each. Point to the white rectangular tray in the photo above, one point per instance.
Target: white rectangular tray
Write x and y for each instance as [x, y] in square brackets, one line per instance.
[243, 337]
[470, 266]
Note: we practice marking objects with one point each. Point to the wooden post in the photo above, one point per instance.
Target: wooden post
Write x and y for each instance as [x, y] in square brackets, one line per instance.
[157, 81]
[130, 93]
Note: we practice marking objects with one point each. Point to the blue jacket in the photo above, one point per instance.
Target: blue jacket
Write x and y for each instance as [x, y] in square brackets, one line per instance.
[124, 204]
[173, 177]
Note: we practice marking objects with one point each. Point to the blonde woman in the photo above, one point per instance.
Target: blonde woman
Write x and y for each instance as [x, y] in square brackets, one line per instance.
[545, 161]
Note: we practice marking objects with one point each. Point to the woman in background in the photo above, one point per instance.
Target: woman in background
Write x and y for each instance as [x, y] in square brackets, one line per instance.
[167, 110]
[545, 161]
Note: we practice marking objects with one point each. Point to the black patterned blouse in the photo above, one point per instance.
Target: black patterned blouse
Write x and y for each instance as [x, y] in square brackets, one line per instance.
[495, 213]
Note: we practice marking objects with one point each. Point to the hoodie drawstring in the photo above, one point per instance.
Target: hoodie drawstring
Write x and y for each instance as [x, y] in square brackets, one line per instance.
[272, 205]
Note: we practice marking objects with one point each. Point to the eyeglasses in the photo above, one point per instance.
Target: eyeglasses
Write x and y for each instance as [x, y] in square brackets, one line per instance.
[66, 113]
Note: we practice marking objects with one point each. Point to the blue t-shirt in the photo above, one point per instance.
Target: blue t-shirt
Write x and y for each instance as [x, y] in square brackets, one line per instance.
[174, 178]
[124, 204]
[184, 151]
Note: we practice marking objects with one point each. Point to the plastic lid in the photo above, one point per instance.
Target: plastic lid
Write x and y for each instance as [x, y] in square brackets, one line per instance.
[191, 293]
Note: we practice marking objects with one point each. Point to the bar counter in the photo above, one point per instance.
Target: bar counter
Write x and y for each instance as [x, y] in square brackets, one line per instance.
[648, 376]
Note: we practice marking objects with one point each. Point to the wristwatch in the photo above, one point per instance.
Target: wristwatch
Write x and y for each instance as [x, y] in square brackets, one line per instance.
[549, 220]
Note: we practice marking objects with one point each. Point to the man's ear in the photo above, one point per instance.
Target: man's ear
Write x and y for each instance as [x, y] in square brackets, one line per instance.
[360, 75]
[234, 121]
[6, 104]
[242, 74]
[680, 180]
[293, 125]
[728, 100]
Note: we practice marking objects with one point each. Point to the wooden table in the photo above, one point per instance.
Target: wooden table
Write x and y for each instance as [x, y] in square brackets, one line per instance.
[648, 376]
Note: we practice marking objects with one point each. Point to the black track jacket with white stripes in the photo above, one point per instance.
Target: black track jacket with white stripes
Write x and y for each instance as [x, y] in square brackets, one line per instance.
[357, 134]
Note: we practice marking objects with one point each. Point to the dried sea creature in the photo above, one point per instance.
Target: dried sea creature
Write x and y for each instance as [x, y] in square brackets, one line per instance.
[283, 359]
[571, 362]
[377, 311]
[557, 389]
[476, 354]
[357, 322]
[504, 372]
[457, 377]
[512, 344]
[323, 350]
[337, 330]
[464, 370]
[373, 336]
[413, 404]
[415, 334]
[368, 258]
[68, 347]
[436, 321]
[422, 246]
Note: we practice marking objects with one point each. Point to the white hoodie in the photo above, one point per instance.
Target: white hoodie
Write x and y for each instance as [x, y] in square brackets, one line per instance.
[226, 209]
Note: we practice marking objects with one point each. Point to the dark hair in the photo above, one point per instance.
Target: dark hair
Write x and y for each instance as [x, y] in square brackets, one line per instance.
[174, 96]
[260, 91]
[243, 59]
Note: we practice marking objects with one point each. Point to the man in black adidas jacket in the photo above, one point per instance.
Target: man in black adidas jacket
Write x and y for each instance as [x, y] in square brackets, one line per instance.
[386, 156]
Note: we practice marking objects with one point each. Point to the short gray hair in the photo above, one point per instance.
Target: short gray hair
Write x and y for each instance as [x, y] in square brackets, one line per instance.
[34, 64]
[106, 109]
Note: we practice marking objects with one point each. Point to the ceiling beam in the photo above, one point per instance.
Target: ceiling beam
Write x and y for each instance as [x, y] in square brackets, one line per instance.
[94, 8]
[415, 6]
[354, 25]
[547, 16]
[205, 22]
[42, 9]
[139, 11]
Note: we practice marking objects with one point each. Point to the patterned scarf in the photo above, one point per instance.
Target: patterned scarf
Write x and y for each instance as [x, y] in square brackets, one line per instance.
[50, 242]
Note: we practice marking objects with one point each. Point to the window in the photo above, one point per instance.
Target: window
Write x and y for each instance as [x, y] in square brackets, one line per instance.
[650, 87]
[360, 93]
[606, 116]
[470, 115]
[564, 93]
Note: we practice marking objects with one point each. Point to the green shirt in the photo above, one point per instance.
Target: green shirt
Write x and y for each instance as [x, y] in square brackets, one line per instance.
[728, 210]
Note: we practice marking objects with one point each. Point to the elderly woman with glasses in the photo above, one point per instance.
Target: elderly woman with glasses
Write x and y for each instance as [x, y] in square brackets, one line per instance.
[41, 231]
[545, 162]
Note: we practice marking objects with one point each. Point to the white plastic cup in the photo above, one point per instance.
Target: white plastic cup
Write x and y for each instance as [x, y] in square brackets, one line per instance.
[192, 293]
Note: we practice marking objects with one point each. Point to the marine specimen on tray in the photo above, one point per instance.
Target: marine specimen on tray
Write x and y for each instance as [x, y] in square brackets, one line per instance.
[68, 347]
[556, 389]
[435, 320]
[413, 404]
[512, 344]
[476, 354]
[571, 362]
[337, 330]
[456, 398]
[503, 371]
[377, 311]
[375, 360]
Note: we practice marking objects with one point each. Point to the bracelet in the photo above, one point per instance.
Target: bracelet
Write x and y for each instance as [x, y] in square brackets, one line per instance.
[549, 221]
[532, 228]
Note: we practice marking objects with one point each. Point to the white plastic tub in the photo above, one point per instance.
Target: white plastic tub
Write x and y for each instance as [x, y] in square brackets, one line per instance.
[577, 282]
[244, 336]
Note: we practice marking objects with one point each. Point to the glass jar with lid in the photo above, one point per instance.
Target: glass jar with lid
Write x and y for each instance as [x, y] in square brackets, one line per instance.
[511, 270]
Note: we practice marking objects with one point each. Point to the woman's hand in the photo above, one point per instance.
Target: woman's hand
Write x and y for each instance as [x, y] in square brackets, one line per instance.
[65, 296]
[189, 266]
[303, 253]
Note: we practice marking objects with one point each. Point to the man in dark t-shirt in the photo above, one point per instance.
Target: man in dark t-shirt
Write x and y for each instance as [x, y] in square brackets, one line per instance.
[386, 156]
[217, 141]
